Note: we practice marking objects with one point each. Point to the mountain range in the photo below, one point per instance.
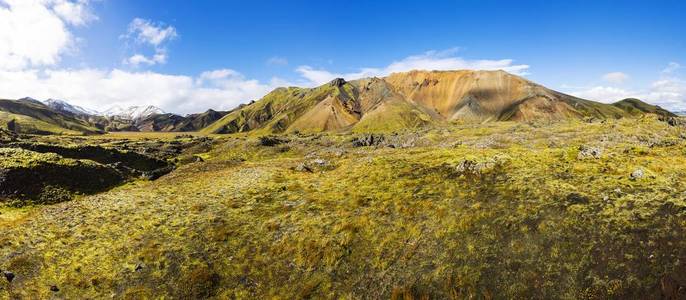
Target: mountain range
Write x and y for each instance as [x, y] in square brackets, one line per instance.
[415, 99]
[396, 102]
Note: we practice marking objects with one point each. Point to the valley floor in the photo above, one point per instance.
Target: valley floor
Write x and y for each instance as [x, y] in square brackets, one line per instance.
[502, 210]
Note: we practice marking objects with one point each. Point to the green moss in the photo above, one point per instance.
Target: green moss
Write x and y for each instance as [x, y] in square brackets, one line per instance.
[502, 210]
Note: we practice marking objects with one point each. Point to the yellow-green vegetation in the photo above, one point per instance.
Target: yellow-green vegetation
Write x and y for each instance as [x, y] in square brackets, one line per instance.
[14, 158]
[26, 124]
[566, 210]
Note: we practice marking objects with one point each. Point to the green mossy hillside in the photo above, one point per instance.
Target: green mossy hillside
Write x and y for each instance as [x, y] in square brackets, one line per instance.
[28, 125]
[41, 119]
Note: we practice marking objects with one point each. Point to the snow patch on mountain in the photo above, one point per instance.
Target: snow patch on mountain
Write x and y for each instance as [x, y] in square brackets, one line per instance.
[61, 105]
[133, 112]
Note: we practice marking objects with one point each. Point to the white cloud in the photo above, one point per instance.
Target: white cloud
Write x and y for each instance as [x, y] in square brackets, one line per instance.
[277, 61]
[667, 91]
[615, 77]
[605, 94]
[36, 32]
[75, 13]
[160, 57]
[671, 67]
[219, 89]
[146, 31]
[431, 60]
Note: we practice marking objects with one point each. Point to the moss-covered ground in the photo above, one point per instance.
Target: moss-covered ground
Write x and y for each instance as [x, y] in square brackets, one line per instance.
[496, 211]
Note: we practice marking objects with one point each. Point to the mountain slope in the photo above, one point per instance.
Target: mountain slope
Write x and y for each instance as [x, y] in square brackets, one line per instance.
[275, 112]
[196, 122]
[637, 107]
[492, 96]
[415, 99]
[25, 124]
[174, 123]
[43, 119]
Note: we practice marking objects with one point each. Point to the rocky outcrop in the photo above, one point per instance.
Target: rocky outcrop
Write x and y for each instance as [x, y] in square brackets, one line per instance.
[50, 178]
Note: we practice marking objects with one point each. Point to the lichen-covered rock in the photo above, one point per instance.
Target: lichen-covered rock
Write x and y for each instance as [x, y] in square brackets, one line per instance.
[314, 165]
[637, 174]
[586, 152]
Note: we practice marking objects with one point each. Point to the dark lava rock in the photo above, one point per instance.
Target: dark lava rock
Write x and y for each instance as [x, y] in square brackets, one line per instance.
[575, 198]
[154, 174]
[368, 140]
[270, 141]
[674, 121]
[8, 275]
[338, 82]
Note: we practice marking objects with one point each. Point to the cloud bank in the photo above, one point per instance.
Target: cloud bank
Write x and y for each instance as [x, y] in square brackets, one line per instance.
[668, 90]
[430, 60]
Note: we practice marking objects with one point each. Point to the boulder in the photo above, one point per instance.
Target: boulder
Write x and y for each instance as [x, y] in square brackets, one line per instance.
[368, 140]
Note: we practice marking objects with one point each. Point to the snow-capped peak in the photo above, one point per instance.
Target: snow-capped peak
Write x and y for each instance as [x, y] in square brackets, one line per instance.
[133, 112]
[64, 106]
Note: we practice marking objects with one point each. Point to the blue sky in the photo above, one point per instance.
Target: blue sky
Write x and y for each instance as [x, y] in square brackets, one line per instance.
[187, 56]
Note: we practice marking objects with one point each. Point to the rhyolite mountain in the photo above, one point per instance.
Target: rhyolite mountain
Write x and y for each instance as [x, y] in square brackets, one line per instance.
[414, 99]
